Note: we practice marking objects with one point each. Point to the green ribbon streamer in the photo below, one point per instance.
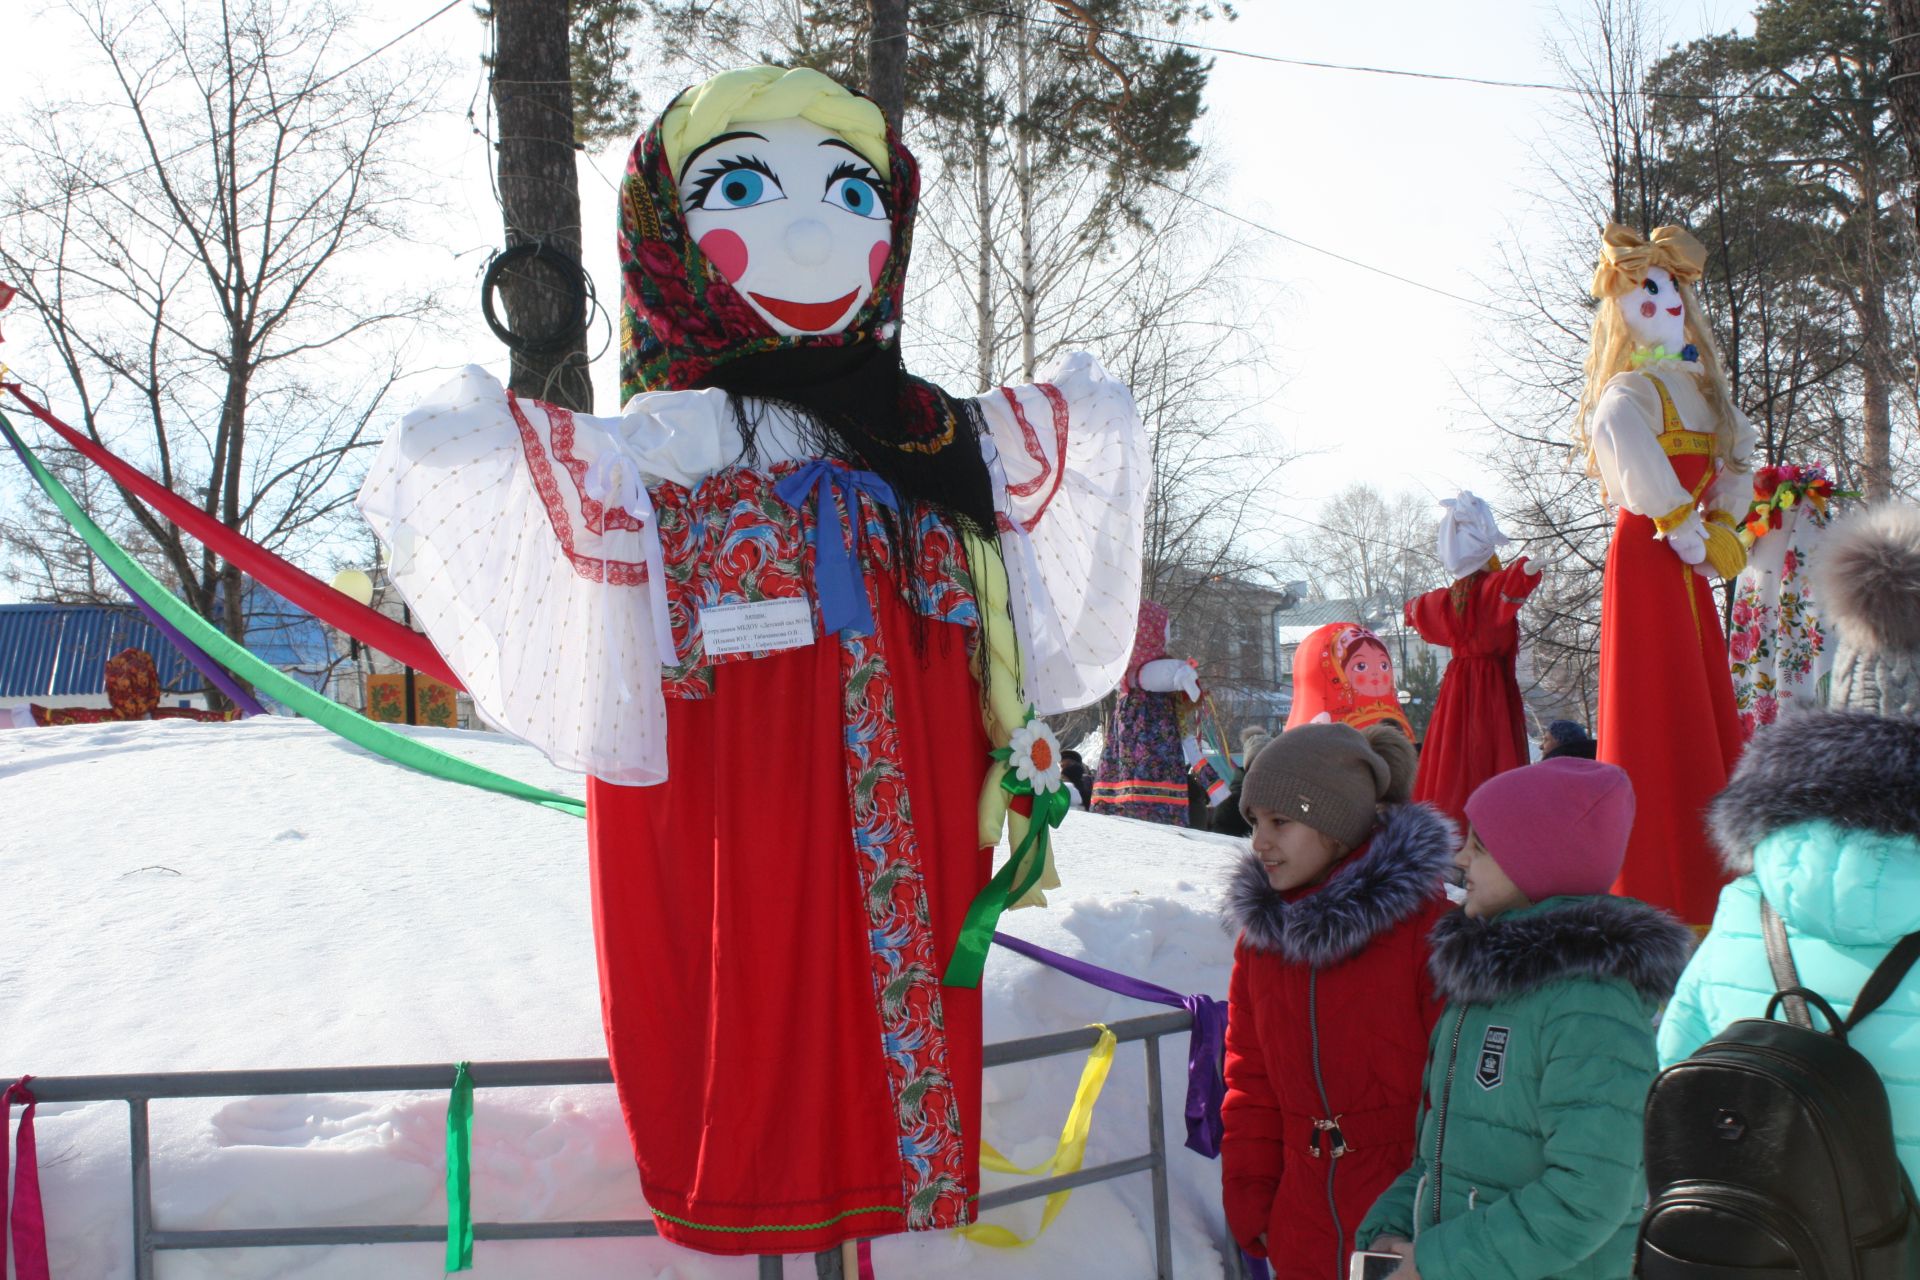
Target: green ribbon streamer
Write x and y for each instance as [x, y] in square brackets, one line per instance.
[460, 1172]
[229, 653]
[983, 916]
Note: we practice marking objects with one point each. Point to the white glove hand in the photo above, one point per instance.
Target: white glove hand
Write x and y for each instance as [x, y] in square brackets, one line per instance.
[1689, 541]
[1190, 683]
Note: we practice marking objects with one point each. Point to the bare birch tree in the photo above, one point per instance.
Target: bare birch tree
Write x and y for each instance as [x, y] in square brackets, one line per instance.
[196, 247]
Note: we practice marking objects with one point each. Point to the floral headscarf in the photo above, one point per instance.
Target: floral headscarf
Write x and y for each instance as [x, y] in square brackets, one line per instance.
[1149, 642]
[684, 325]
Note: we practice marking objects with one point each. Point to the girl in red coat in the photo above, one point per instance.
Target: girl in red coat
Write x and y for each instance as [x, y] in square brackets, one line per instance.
[1330, 1005]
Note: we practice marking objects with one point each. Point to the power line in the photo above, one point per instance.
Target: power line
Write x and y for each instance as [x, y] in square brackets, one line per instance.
[102, 184]
[1156, 180]
[1404, 73]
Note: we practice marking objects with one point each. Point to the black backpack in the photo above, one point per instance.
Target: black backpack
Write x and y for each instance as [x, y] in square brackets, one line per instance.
[1770, 1151]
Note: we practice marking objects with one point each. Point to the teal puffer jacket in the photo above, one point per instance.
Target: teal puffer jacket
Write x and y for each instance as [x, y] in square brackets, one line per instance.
[1528, 1161]
[1824, 818]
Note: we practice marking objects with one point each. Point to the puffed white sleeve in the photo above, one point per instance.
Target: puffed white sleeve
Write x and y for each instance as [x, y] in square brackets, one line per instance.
[1732, 490]
[1071, 479]
[1626, 448]
[539, 598]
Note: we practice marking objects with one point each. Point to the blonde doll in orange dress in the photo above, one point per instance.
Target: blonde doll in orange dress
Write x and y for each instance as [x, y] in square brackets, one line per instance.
[1670, 450]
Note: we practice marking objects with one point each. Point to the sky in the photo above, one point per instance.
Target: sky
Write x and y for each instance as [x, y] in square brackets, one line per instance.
[1372, 377]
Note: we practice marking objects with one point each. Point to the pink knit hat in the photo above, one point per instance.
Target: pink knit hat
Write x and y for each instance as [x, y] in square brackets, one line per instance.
[1557, 827]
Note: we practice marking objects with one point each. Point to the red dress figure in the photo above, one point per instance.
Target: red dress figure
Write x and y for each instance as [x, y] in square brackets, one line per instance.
[1670, 450]
[1479, 725]
[759, 608]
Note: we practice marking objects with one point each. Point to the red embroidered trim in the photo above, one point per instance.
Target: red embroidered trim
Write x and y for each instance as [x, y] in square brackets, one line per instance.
[617, 573]
[1056, 472]
[592, 514]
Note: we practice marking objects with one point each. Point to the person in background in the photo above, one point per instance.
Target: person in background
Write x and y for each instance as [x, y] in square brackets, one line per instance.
[1227, 820]
[1529, 1162]
[1074, 770]
[1823, 818]
[1567, 738]
[1250, 739]
[1330, 1000]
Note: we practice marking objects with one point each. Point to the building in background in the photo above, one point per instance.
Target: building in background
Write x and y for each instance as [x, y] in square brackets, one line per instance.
[56, 654]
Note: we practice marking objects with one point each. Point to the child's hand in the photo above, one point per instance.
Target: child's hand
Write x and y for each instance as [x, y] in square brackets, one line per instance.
[1402, 1246]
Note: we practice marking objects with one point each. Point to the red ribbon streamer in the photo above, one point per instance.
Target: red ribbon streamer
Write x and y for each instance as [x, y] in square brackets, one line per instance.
[368, 626]
[29, 1219]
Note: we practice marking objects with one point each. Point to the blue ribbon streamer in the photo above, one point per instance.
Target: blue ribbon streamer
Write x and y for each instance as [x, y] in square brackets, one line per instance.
[838, 579]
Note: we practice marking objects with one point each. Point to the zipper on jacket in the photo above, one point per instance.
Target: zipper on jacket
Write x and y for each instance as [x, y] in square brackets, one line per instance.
[1330, 1125]
[1440, 1119]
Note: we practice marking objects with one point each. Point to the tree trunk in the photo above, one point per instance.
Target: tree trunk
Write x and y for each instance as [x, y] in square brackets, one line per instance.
[887, 58]
[1023, 179]
[539, 193]
[1903, 26]
[983, 211]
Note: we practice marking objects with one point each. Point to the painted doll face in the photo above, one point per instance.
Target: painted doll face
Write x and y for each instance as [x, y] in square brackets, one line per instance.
[1370, 671]
[1654, 313]
[793, 217]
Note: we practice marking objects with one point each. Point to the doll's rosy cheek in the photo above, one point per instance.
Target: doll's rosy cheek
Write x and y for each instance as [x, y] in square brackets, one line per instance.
[1646, 309]
[877, 260]
[727, 252]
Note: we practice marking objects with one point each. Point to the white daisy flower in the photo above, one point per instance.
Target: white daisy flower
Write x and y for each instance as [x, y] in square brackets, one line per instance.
[1036, 756]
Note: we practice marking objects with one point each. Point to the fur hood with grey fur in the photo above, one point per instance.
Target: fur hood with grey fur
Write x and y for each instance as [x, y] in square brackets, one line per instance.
[1866, 589]
[1855, 770]
[1484, 961]
[1396, 875]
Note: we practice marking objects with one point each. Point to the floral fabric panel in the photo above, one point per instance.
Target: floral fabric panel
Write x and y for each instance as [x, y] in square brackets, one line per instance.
[733, 540]
[1776, 645]
[906, 970]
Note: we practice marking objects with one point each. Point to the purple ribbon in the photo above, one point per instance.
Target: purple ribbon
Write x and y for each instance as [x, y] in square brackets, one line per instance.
[207, 667]
[1206, 1045]
[192, 652]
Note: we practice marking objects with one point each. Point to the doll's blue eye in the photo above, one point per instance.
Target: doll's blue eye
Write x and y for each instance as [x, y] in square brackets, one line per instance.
[1653, 286]
[741, 188]
[857, 196]
[739, 182]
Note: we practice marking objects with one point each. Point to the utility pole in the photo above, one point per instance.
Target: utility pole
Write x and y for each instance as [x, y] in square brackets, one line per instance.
[532, 84]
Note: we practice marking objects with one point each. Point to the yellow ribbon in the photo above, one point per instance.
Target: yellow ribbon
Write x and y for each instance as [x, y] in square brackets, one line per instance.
[1066, 1158]
[1626, 256]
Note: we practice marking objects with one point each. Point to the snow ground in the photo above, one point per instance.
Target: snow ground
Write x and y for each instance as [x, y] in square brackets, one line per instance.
[183, 896]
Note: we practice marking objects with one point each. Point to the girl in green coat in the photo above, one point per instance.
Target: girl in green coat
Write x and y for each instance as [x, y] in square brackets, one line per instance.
[1528, 1159]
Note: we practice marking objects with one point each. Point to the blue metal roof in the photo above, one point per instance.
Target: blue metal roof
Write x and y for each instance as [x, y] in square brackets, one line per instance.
[61, 650]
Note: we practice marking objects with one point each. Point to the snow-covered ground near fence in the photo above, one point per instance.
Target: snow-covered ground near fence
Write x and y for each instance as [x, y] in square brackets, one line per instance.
[182, 896]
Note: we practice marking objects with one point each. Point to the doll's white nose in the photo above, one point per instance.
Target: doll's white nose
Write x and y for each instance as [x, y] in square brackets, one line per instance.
[809, 242]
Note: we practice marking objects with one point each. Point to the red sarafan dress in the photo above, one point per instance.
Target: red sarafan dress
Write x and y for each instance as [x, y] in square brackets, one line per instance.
[768, 662]
[1479, 725]
[1667, 713]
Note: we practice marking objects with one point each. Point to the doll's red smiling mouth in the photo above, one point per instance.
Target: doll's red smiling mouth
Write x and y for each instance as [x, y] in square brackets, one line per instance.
[1673, 311]
[806, 315]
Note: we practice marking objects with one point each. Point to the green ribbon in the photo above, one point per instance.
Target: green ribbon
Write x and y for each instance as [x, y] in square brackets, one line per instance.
[976, 932]
[460, 1172]
[229, 653]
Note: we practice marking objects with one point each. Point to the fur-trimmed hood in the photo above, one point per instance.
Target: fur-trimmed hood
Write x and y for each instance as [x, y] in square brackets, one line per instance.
[1397, 874]
[1857, 771]
[1484, 961]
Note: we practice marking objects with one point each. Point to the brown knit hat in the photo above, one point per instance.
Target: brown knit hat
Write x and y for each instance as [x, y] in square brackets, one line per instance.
[1331, 777]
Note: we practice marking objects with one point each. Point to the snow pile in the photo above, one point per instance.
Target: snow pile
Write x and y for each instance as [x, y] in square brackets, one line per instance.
[262, 894]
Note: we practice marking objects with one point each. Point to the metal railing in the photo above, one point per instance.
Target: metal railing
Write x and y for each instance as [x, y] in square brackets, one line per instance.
[137, 1090]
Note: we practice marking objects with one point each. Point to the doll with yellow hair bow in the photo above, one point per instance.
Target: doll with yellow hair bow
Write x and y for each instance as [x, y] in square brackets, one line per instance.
[780, 610]
[1670, 450]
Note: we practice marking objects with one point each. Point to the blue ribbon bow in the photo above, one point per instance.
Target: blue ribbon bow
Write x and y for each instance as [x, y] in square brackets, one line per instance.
[837, 575]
